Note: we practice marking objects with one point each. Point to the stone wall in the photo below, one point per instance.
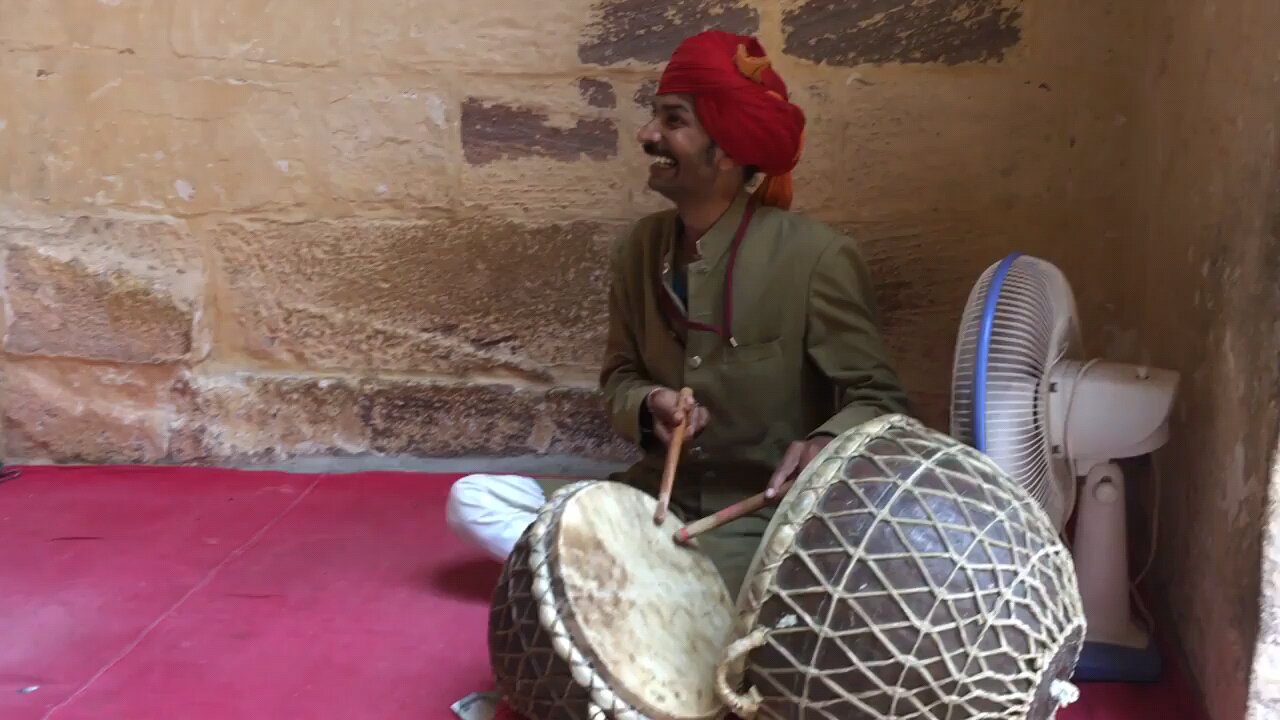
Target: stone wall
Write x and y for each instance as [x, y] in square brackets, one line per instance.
[323, 228]
[1203, 282]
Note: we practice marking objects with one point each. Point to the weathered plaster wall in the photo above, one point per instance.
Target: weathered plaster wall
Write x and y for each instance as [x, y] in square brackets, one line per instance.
[377, 228]
[1203, 282]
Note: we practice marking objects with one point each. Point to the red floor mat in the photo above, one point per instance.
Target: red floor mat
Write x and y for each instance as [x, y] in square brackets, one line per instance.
[147, 593]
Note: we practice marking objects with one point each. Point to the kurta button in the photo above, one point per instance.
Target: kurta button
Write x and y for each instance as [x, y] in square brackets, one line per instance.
[695, 361]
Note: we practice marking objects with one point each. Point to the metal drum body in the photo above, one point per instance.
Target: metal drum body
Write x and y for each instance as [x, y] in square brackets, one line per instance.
[906, 576]
[600, 614]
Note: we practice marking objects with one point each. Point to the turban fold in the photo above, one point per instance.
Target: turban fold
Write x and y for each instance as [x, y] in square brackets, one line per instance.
[743, 104]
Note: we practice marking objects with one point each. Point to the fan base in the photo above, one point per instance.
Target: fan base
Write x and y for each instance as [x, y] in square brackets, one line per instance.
[1105, 662]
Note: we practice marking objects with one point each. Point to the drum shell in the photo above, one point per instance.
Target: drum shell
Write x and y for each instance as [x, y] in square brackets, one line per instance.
[534, 679]
[537, 650]
[905, 575]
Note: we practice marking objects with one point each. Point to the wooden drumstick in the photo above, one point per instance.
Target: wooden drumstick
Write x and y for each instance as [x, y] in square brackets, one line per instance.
[673, 455]
[727, 515]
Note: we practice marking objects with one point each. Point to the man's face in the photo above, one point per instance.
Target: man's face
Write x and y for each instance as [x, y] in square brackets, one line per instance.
[685, 161]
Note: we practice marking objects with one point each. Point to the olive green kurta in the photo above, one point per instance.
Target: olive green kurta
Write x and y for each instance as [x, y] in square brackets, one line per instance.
[808, 357]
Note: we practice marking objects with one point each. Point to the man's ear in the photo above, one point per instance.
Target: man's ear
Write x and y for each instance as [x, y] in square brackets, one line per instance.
[725, 163]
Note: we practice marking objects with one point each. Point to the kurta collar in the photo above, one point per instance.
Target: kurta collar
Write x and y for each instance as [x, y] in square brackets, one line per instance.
[723, 239]
[718, 239]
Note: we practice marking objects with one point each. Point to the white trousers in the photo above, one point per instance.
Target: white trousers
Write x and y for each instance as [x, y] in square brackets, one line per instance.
[491, 511]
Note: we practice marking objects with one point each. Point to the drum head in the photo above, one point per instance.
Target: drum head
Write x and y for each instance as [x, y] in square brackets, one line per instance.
[653, 616]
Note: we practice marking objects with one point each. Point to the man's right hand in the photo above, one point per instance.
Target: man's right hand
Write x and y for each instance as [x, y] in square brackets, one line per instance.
[664, 405]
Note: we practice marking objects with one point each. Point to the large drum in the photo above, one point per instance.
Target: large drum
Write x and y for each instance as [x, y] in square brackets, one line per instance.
[600, 614]
[905, 576]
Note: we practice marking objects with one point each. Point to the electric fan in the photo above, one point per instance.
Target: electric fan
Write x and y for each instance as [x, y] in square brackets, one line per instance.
[1022, 395]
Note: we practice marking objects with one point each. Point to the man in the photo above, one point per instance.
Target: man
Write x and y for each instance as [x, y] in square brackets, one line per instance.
[766, 315]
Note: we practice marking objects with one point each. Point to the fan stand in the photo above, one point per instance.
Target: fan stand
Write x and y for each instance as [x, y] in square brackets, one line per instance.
[1116, 649]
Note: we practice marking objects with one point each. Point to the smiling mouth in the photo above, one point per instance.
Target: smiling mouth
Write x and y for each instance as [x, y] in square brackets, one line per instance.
[664, 162]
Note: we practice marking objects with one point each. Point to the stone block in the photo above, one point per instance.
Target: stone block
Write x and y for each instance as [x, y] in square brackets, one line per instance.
[102, 289]
[245, 418]
[127, 26]
[294, 32]
[638, 31]
[888, 145]
[539, 190]
[923, 266]
[70, 412]
[542, 37]
[439, 420]
[24, 133]
[482, 34]
[391, 141]
[242, 417]
[124, 132]
[466, 297]
[946, 32]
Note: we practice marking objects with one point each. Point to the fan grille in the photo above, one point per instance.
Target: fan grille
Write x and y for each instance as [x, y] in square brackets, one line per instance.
[1022, 311]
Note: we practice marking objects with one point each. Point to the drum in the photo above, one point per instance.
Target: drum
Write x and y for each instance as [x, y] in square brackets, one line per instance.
[905, 575]
[599, 614]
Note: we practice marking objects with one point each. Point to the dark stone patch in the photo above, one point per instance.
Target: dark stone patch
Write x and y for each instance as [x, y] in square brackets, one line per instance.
[644, 94]
[497, 131]
[647, 31]
[950, 32]
[429, 420]
[264, 419]
[598, 93]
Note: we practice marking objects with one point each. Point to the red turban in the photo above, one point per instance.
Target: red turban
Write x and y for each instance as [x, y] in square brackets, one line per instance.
[743, 104]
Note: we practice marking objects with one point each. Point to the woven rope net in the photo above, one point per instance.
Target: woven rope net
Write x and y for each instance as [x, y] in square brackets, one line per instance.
[906, 576]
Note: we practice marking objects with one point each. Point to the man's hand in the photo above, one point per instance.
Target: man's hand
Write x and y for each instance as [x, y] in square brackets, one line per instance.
[796, 459]
[664, 405]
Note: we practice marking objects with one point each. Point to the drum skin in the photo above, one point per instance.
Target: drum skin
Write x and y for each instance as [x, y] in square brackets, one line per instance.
[906, 576]
[600, 614]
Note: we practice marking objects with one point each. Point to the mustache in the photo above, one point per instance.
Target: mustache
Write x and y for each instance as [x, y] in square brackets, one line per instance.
[652, 149]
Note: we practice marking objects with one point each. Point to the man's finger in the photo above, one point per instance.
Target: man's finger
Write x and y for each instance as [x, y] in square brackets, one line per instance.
[785, 469]
[660, 429]
[810, 452]
[698, 420]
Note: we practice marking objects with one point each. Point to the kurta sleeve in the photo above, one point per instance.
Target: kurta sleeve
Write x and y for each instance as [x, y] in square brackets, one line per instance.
[843, 340]
[622, 381]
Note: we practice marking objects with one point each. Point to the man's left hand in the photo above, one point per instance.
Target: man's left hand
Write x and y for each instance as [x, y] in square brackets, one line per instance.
[796, 459]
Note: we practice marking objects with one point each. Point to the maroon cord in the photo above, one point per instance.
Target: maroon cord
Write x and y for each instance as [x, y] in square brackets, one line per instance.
[726, 330]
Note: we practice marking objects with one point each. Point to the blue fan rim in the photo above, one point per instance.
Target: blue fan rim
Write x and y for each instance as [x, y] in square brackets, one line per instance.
[989, 306]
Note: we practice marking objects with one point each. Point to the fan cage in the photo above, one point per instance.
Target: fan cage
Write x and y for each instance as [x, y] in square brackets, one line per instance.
[1012, 334]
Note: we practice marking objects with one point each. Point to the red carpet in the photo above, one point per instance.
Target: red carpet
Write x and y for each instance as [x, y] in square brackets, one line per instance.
[200, 594]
